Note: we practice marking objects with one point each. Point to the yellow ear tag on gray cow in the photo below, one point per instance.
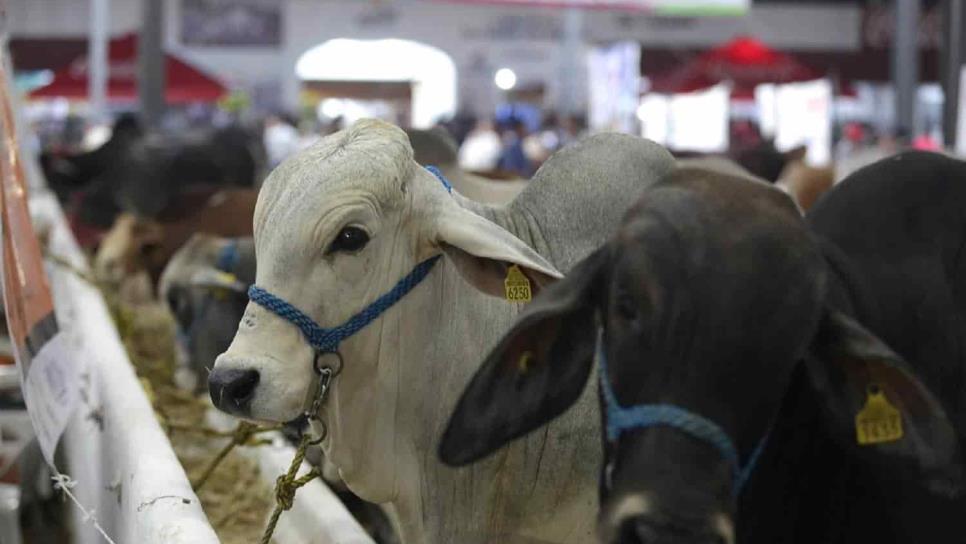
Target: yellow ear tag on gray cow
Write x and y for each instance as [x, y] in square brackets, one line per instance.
[517, 285]
[224, 281]
[878, 421]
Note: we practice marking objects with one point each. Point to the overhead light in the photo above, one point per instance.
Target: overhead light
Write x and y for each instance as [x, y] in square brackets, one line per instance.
[505, 79]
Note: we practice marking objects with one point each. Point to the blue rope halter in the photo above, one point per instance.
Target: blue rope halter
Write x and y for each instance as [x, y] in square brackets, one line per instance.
[439, 175]
[327, 340]
[620, 419]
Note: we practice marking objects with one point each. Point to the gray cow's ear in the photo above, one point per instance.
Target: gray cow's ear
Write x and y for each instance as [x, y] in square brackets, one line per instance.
[534, 374]
[483, 252]
[876, 405]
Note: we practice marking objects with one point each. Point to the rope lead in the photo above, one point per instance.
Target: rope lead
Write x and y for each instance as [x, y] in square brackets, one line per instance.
[285, 487]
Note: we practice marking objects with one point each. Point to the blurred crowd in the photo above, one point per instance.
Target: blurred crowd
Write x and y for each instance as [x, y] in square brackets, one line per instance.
[512, 143]
[505, 145]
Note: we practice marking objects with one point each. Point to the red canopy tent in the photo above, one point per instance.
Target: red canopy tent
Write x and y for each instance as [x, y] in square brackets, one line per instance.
[744, 61]
[183, 83]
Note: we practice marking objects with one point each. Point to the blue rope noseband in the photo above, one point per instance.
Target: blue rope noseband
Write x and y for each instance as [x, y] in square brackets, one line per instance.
[620, 419]
[327, 340]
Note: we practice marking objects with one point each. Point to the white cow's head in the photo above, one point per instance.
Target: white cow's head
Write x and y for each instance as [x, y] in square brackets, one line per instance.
[336, 226]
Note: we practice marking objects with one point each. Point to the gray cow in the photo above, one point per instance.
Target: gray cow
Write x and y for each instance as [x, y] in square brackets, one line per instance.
[336, 227]
[204, 286]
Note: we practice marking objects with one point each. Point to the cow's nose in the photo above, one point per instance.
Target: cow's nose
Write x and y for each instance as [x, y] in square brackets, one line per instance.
[232, 389]
[644, 530]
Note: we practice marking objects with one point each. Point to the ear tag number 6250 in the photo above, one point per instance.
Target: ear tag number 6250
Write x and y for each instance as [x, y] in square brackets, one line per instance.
[517, 285]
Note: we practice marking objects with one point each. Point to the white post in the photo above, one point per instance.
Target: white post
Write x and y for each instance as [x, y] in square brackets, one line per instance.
[97, 70]
[571, 60]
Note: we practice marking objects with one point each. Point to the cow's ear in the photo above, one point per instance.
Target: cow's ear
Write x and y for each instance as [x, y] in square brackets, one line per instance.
[535, 373]
[483, 252]
[875, 404]
[796, 154]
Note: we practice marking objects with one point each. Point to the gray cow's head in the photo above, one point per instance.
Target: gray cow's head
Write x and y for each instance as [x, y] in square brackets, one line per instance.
[711, 297]
[204, 286]
[336, 226]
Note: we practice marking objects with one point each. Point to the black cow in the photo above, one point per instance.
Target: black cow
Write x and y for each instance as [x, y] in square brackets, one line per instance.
[141, 173]
[763, 160]
[739, 342]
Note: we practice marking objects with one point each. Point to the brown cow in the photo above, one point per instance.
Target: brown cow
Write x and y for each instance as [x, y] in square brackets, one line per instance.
[136, 244]
[805, 183]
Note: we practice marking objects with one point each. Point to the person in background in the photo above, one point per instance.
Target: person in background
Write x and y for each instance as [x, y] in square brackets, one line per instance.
[512, 157]
[853, 140]
[481, 148]
[539, 145]
[571, 129]
[281, 139]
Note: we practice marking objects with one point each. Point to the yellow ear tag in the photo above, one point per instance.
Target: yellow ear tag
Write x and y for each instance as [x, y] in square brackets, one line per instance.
[226, 279]
[878, 421]
[517, 285]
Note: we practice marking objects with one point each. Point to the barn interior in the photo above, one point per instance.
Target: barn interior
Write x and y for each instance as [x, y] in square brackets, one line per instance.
[148, 144]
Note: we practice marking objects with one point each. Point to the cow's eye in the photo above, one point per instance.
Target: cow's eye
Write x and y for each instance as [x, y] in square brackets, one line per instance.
[349, 239]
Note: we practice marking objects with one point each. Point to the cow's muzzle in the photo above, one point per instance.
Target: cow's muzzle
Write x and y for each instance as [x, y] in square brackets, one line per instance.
[232, 389]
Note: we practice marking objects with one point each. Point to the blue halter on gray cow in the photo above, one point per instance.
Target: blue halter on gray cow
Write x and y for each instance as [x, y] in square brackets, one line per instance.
[839, 337]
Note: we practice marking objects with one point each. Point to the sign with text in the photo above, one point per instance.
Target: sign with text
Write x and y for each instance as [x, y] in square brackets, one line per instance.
[47, 377]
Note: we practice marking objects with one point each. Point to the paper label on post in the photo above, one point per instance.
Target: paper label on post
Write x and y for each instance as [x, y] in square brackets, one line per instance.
[51, 393]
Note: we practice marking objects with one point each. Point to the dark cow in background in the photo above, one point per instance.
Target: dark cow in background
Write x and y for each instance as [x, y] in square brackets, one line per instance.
[767, 379]
[763, 160]
[138, 244]
[144, 174]
[787, 170]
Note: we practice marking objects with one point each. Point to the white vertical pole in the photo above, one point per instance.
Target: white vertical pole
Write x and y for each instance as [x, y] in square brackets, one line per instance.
[97, 70]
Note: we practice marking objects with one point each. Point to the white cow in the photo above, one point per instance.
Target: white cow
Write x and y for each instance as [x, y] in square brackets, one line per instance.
[336, 226]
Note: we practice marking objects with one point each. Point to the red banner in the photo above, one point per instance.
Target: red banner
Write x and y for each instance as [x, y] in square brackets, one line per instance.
[27, 297]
